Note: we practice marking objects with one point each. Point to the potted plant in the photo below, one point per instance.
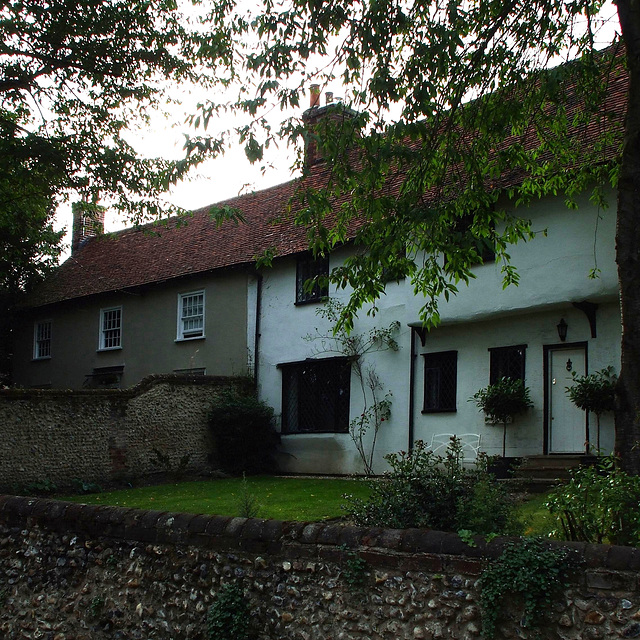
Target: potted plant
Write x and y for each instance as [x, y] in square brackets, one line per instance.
[501, 401]
[594, 392]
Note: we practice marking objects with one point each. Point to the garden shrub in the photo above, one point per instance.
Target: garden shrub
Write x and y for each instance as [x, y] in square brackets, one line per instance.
[529, 573]
[243, 433]
[427, 490]
[228, 616]
[599, 504]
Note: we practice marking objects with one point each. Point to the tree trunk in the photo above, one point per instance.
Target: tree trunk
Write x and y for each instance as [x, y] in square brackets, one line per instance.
[627, 415]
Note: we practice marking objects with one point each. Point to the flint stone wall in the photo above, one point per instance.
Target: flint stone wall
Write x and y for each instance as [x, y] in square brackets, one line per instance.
[107, 435]
[70, 571]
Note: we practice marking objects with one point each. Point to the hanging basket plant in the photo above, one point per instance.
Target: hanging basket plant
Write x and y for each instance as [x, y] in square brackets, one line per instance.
[501, 401]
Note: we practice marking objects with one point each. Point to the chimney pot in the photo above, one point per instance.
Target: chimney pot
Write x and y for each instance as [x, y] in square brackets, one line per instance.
[88, 222]
[314, 96]
[328, 96]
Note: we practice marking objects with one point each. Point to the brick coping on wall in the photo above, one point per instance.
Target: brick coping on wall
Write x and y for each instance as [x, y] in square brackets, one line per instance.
[405, 549]
[17, 393]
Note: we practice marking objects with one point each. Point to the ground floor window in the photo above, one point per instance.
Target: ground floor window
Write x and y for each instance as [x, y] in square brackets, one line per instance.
[315, 396]
[507, 362]
[440, 381]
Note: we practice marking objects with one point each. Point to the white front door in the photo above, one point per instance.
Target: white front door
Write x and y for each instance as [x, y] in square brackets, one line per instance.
[567, 423]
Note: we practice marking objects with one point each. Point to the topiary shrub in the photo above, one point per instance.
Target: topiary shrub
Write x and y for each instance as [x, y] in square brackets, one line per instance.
[243, 433]
[501, 401]
[595, 392]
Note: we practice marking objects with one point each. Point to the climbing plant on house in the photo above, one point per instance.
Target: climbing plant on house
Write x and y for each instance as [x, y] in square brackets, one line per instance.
[376, 407]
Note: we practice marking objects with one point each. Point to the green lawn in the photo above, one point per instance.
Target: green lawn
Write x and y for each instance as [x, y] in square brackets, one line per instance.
[305, 499]
[538, 521]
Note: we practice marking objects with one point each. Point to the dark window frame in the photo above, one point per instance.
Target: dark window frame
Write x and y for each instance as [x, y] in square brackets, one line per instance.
[485, 248]
[310, 268]
[440, 382]
[316, 396]
[503, 362]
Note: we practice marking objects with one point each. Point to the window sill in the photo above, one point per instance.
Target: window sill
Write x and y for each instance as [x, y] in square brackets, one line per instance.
[41, 359]
[314, 433]
[108, 349]
[302, 303]
[425, 411]
[190, 339]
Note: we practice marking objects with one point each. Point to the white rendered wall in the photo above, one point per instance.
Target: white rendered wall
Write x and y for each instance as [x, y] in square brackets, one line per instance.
[554, 270]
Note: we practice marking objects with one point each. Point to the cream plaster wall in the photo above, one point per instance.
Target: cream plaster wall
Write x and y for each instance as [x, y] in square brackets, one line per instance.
[554, 272]
[149, 330]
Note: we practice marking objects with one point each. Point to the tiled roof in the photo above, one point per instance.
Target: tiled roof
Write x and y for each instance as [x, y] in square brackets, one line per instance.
[154, 253]
[151, 254]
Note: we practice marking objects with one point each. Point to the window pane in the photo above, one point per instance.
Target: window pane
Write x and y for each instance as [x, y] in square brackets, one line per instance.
[307, 269]
[192, 315]
[43, 340]
[440, 381]
[507, 362]
[111, 326]
[316, 396]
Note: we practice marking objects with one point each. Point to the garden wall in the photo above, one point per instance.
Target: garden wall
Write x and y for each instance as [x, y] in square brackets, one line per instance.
[84, 572]
[108, 434]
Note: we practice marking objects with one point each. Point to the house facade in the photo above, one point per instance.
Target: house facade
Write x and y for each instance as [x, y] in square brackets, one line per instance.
[189, 297]
[486, 332]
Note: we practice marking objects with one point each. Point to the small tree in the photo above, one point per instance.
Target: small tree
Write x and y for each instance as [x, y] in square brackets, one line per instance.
[594, 392]
[364, 428]
[501, 401]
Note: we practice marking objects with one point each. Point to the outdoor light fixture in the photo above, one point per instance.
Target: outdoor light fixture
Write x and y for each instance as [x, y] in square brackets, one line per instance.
[562, 330]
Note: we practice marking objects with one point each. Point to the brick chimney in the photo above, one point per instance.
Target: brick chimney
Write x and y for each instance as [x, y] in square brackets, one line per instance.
[315, 121]
[88, 222]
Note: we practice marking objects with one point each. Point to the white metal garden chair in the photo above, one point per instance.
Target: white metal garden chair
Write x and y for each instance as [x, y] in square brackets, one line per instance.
[470, 444]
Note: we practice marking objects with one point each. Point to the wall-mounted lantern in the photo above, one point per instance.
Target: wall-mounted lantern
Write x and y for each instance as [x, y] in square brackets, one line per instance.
[562, 327]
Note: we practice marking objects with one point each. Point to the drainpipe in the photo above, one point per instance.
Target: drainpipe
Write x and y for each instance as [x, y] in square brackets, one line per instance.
[412, 375]
[256, 342]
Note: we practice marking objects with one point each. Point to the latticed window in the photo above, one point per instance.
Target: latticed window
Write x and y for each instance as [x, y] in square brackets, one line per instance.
[464, 238]
[311, 279]
[111, 328]
[440, 381]
[507, 362]
[191, 315]
[315, 396]
[42, 340]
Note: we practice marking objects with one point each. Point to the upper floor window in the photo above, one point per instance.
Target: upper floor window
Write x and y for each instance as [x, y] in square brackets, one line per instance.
[440, 381]
[111, 328]
[191, 315]
[311, 278]
[507, 362]
[464, 238]
[42, 340]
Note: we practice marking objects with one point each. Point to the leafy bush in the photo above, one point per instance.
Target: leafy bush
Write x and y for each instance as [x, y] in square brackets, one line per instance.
[527, 569]
[41, 487]
[84, 486]
[427, 490]
[243, 433]
[599, 504]
[228, 616]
